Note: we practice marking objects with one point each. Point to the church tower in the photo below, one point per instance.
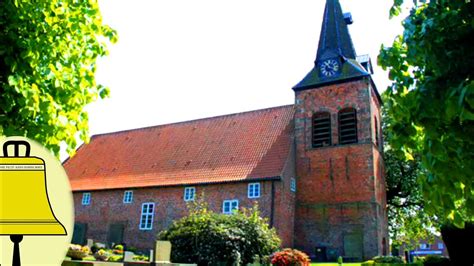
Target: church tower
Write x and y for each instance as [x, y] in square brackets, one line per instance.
[341, 202]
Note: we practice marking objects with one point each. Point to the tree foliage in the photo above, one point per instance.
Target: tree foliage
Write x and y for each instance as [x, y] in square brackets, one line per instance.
[48, 52]
[431, 102]
[406, 219]
[209, 238]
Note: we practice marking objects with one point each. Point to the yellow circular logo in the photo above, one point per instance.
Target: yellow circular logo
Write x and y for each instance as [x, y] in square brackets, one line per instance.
[36, 205]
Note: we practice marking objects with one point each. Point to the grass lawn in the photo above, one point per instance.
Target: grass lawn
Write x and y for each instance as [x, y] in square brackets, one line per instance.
[335, 264]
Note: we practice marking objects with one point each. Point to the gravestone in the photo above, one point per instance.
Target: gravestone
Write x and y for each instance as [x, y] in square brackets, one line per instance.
[128, 256]
[162, 251]
[90, 242]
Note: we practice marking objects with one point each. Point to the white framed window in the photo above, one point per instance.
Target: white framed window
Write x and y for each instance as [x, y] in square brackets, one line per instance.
[424, 246]
[440, 245]
[253, 190]
[293, 184]
[86, 198]
[128, 196]
[189, 193]
[228, 206]
[146, 218]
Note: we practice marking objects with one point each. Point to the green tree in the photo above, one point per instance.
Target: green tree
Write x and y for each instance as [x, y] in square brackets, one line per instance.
[48, 52]
[406, 219]
[208, 238]
[431, 102]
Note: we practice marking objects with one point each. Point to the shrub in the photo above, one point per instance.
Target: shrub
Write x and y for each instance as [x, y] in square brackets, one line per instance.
[435, 260]
[290, 257]
[101, 255]
[388, 259]
[208, 238]
[115, 258]
[77, 252]
[96, 246]
[141, 258]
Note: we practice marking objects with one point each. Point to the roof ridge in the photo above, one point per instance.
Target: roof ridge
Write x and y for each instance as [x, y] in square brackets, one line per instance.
[191, 121]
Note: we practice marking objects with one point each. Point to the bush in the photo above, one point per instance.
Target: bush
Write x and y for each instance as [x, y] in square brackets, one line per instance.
[290, 257]
[115, 258]
[77, 252]
[208, 238]
[101, 255]
[434, 260]
[388, 259]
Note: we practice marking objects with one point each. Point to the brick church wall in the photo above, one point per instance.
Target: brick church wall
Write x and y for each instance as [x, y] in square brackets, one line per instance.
[337, 206]
[107, 208]
[285, 202]
[379, 170]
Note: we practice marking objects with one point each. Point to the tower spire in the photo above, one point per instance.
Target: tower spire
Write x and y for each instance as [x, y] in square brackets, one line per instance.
[334, 39]
[336, 56]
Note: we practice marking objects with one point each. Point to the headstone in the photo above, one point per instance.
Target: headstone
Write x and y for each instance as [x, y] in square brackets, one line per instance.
[128, 256]
[90, 242]
[162, 251]
[152, 259]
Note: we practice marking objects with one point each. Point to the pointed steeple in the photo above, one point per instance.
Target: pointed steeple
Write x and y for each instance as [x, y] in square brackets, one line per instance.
[336, 56]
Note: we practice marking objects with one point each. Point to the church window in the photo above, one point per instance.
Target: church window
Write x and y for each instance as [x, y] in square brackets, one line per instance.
[347, 126]
[321, 130]
[86, 198]
[146, 219]
[189, 193]
[254, 190]
[128, 196]
[424, 246]
[229, 206]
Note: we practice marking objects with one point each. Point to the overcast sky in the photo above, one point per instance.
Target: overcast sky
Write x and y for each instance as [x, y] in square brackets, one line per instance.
[188, 59]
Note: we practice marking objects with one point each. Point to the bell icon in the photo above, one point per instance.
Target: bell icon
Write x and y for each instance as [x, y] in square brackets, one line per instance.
[24, 204]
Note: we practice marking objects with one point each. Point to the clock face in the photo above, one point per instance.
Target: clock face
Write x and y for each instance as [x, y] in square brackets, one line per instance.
[329, 68]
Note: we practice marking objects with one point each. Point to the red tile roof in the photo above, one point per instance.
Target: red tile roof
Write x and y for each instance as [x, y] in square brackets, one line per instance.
[236, 147]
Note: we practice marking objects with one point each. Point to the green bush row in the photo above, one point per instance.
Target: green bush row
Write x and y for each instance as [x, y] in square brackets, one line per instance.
[373, 263]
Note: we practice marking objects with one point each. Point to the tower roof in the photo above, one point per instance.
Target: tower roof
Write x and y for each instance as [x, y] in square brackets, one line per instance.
[334, 43]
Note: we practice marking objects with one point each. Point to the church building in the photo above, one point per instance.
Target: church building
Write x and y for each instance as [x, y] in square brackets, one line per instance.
[315, 167]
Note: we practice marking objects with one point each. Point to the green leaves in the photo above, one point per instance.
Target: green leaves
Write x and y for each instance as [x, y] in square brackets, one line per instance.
[196, 237]
[49, 51]
[430, 103]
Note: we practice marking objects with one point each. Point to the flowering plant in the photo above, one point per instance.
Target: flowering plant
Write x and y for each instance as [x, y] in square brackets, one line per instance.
[290, 257]
[77, 252]
[101, 255]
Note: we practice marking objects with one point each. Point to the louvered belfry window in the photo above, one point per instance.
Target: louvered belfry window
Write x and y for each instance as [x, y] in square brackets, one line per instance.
[321, 130]
[347, 126]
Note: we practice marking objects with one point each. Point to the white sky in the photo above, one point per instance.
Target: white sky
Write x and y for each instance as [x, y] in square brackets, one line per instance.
[187, 59]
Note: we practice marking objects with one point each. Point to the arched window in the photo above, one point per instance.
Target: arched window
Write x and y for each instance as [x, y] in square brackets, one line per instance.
[321, 134]
[347, 126]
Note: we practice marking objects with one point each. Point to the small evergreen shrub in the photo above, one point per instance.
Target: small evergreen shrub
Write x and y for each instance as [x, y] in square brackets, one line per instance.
[290, 257]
